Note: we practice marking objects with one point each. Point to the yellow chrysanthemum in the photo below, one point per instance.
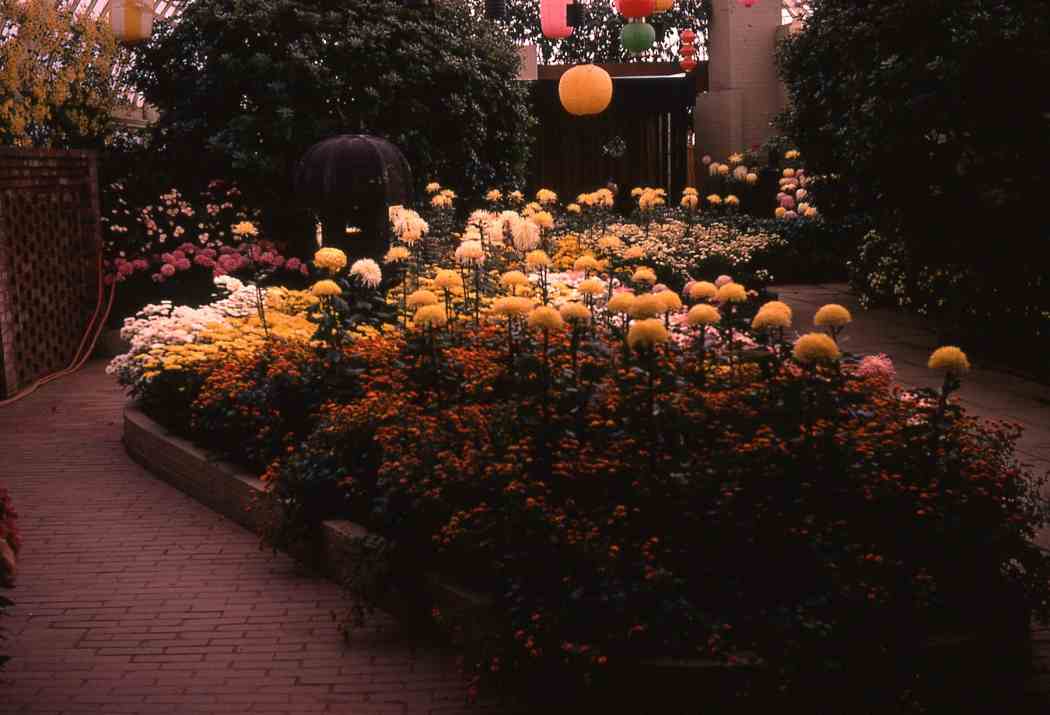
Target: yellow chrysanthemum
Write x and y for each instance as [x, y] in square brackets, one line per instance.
[732, 200]
[636, 192]
[702, 290]
[779, 211]
[949, 359]
[779, 306]
[432, 316]
[330, 259]
[689, 191]
[537, 259]
[620, 303]
[816, 347]
[586, 263]
[610, 243]
[396, 254]
[511, 307]
[751, 178]
[714, 199]
[493, 195]
[544, 317]
[441, 201]
[811, 212]
[573, 208]
[546, 196]
[792, 154]
[591, 286]
[789, 173]
[768, 317]
[244, 228]
[516, 196]
[644, 274]
[513, 278]
[575, 313]
[670, 299]
[647, 333]
[703, 314]
[832, 316]
[731, 293]
[421, 297]
[634, 253]
[447, 279]
[543, 219]
[326, 288]
[690, 202]
[647, 305]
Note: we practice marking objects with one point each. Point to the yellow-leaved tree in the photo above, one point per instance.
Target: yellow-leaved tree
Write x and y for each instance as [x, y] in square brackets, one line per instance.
[57, 84]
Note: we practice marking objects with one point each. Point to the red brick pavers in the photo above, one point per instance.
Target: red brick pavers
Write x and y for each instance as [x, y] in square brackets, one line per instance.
[133, 598]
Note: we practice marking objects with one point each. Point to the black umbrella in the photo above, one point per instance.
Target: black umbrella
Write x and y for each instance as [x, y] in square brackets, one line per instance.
[353, 179]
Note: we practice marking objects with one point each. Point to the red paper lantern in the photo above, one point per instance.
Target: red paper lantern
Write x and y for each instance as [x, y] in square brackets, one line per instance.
[747, 3]
[636, 8]
[688, 50]
[688, 37]
[688, 64]
[553, 21]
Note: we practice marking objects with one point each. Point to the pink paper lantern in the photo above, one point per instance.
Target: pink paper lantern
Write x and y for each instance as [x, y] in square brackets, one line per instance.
[552, 19]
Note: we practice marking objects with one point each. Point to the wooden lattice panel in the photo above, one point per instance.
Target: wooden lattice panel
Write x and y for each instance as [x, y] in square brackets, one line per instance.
[49, 242]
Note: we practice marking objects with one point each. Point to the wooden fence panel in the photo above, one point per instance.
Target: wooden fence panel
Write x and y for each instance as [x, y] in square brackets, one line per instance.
[651, 114]
[49, 244]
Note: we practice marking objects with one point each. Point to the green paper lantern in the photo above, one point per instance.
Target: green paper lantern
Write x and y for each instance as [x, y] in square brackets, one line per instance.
[637, 37]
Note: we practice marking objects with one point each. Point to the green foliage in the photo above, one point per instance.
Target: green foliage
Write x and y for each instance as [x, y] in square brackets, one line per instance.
[246, 87]
[934, 113]
[57, 86]
[598, 39]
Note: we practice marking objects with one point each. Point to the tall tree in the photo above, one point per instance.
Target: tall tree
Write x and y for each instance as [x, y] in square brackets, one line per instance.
[57, 85]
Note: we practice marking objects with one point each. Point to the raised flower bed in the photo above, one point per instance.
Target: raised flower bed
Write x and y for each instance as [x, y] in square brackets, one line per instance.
[626, 480]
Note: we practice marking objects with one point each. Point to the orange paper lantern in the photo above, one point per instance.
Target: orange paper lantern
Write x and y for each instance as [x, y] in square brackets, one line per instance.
[585, 89]
[662, 5]
[132, 20]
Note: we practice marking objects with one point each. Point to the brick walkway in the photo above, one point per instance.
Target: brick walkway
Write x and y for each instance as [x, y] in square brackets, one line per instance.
[133, 598]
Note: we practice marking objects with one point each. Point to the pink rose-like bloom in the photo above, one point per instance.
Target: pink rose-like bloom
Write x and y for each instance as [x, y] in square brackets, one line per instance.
[167, 258]
[304, 270]
[157, 278]
[108, 280]
[292, 264]
[787, 202]
[877, 367]
[790, 215]
[229, 262]
[722, 280]
[225, 250]
[178, 256]
[125, 269]
[140, 264]
[183, 264]
[202, 260]
[278, 260]
[209, 252]
[167, 270]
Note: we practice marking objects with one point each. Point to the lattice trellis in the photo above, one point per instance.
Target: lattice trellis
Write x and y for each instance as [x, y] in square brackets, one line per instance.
[49, 243]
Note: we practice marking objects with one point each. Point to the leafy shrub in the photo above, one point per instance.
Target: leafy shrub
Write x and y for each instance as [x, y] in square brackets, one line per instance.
[245, 88]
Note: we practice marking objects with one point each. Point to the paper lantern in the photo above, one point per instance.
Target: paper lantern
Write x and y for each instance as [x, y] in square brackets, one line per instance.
[662, 5]
[688, 37]
[687, 50]
[635, 8]
[688, 64]
[132, 20]
[553, 22]
[585, 89]
[637, 36]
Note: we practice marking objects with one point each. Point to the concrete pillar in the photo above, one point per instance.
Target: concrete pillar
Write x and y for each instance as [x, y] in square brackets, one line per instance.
[744, 92]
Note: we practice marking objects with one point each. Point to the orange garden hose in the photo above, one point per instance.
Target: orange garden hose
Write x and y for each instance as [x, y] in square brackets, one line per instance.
[94, 330]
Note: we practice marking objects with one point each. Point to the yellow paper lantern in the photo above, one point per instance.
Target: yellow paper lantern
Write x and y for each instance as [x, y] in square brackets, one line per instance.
[663, 5]
[585, 89]
[132, 20]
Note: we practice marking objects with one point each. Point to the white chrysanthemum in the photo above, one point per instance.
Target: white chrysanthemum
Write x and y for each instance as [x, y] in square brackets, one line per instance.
[368, 272]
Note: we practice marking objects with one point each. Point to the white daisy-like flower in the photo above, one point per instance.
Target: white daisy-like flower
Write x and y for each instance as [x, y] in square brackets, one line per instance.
[368, 272]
